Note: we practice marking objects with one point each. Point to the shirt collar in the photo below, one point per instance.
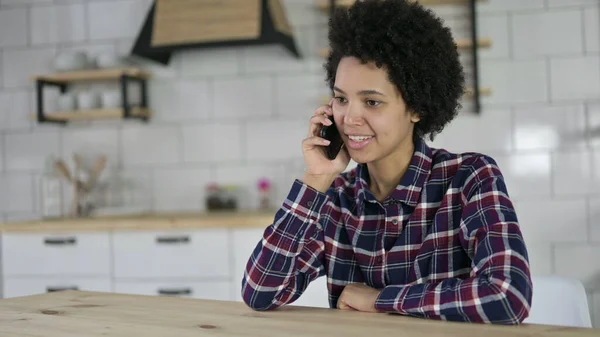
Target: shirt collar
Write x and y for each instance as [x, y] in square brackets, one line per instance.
[409, 189]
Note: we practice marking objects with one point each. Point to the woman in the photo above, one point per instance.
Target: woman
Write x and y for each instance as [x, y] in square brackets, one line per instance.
[411, 230]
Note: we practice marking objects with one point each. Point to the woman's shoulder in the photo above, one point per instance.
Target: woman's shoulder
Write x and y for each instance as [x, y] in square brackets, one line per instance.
[464, 167]
[462, 160]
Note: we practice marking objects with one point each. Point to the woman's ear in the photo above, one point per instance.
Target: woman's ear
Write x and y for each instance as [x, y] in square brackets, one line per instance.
[414, 117]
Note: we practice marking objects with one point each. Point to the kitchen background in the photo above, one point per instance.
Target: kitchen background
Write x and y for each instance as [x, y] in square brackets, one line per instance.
[233, 115]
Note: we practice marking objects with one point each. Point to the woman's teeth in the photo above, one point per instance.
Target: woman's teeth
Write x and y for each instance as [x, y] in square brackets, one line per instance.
[359, 138]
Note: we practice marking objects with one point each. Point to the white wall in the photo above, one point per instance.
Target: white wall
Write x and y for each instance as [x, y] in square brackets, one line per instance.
[542, 122]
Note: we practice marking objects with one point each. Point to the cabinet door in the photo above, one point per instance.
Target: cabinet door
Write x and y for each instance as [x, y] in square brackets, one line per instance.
[56, 254]
[315, 295]
[211, 290]
[24, 286]
[174, 254]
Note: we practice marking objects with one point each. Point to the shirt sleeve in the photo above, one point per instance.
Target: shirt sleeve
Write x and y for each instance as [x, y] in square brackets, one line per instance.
[291, 252]
[499, 289]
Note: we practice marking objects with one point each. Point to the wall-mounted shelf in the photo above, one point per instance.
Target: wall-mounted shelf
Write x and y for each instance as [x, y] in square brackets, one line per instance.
[469, 92]
[63, 79]
[94, 75]
[85, 115]
[324, 4]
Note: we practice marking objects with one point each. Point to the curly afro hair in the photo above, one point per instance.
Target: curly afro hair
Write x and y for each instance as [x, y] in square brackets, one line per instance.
[414, 47]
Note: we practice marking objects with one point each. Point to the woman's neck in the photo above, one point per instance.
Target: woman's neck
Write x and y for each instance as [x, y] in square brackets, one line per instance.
[385, 174]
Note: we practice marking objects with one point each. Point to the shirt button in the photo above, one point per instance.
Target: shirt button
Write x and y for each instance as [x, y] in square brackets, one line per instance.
[379, 259]
[395, 221]
[309, 204]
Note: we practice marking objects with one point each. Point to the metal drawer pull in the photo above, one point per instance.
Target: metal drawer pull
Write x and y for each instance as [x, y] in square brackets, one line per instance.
[53, 289]
[175, 292]
[60, 241]
[173, 239]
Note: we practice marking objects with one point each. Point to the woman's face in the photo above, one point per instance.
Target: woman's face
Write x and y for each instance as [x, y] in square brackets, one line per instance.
[370, 112]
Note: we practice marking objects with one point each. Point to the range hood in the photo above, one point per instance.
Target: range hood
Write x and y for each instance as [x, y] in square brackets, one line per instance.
[172, 25]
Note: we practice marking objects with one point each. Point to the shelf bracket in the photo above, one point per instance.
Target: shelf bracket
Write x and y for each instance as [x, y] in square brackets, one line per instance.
[475, 55]
[124, 80]
[40, 84]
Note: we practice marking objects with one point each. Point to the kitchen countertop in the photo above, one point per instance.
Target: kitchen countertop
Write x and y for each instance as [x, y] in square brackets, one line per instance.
[77, 313]
[162, 221]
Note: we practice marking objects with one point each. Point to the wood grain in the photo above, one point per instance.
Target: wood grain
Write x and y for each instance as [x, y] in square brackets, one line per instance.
[93, 75]
[84, 115]
[199, 21]
[279, 18]
[76, 313]
[257, 219]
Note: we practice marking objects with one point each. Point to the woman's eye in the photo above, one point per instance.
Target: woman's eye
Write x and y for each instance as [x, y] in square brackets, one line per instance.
[341, 99]
[372, 102]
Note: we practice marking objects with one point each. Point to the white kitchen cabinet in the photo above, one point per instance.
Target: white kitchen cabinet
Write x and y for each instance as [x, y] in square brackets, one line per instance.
[24, 286]
[48, 254]
[175, 254]
[315, 295]
[211, 290]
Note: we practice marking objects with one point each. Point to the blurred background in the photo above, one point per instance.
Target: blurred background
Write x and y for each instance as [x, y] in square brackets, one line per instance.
[225, 130]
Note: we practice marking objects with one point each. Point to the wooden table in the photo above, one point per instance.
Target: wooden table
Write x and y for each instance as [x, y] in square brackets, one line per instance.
[78, 314]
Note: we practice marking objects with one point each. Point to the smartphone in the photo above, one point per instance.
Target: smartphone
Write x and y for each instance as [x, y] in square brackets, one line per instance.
[331, 133]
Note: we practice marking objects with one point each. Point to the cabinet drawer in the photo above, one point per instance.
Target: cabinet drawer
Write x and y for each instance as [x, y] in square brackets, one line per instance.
[50, 254]
[210, 290]
[176, 254]
[20, 286]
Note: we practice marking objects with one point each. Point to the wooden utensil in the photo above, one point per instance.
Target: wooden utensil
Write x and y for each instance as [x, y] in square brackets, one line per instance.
[96, 171]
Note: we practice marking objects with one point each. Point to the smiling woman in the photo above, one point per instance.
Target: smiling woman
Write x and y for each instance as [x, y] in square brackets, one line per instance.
[411, 230]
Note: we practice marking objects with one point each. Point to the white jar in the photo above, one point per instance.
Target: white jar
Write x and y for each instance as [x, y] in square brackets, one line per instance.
[88, 100]
[70, 60]
[111, 99]
[66, 102]
[108, 60]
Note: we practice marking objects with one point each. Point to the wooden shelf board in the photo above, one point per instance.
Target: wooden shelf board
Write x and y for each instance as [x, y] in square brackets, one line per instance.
[482, 92]
[93, 75]
[82, 115]
[324, 4]
[460, 43]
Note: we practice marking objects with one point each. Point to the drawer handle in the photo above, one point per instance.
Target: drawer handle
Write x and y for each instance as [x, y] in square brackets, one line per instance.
[60, 241]
[53, 289]
[175, 292]
[173, 239]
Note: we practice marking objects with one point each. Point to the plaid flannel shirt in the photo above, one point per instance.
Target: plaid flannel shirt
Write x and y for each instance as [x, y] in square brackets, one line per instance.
[446, 244]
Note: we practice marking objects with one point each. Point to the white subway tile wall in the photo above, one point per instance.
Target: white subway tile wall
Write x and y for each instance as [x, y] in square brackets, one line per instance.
[575, 78]
[18, 65]
[57, 24]
[16, 110]
[13, 27]
[536, 34]
[235, 114]
[212, 142]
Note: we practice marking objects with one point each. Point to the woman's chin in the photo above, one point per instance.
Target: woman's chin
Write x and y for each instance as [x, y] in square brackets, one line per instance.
[359, 158]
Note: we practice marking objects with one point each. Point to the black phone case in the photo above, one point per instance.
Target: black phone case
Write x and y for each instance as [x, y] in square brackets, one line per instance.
[332, 134]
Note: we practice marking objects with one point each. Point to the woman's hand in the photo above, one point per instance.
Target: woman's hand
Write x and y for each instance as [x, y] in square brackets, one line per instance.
[321, 171]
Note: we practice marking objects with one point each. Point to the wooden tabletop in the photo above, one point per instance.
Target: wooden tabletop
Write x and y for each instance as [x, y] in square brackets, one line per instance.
[149, 221]
[76, 313]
